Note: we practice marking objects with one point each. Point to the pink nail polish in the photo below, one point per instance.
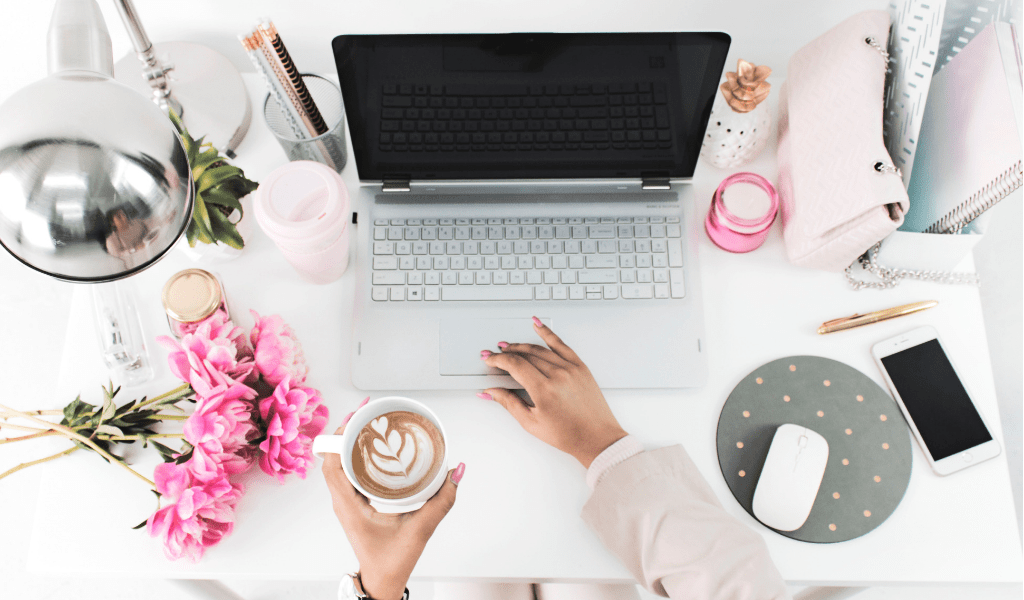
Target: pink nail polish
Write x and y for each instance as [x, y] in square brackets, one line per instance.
[344, 422]
[484, 354]
[363, 403]
[459, 472]
[503, 345]
[537, 322]
[485, 396]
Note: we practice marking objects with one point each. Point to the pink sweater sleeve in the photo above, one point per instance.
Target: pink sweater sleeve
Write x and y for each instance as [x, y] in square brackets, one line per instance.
[656, 513]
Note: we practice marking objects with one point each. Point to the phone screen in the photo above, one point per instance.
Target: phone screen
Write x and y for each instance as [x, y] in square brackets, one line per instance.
[936, 400]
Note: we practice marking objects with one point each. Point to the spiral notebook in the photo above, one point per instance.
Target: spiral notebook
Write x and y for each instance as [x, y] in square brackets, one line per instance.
[969, 151]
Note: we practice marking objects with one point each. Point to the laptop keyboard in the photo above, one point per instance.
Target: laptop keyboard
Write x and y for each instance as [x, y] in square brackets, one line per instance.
[473, 118]
[508, 259]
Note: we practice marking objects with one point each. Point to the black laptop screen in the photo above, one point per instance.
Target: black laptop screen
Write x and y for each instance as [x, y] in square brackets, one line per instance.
[530, 105]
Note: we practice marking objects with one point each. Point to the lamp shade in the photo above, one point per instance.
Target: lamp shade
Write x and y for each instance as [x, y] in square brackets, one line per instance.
[95, 184]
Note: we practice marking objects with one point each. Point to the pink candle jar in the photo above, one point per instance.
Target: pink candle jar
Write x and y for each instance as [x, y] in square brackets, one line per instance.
[742, 211]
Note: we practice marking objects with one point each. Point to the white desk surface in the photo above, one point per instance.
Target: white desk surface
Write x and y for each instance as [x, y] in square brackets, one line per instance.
[517, 514]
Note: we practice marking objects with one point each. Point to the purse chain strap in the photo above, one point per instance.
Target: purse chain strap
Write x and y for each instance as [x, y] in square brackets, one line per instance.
[891, 277]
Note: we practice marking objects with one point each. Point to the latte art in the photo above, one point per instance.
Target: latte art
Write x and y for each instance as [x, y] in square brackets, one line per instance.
[397, 454]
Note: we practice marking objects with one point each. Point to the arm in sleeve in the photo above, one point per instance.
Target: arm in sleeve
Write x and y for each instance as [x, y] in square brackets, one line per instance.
[656, 513]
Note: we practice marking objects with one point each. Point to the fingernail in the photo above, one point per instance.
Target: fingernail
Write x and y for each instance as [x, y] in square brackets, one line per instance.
[503, 345]
[537, 322]
[484, 354]
[344, 422]
[363, 403]
[485, 396]
[459, 471]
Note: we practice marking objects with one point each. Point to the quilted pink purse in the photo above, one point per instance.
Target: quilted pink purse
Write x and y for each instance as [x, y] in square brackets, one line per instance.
[840, 193]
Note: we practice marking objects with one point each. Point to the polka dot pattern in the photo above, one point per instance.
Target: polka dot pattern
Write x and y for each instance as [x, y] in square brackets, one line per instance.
[843, 405]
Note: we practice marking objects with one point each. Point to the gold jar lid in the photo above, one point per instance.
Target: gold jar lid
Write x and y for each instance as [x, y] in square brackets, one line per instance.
[191, 295]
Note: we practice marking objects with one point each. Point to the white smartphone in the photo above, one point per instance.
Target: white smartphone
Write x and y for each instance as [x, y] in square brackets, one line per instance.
[935, 401]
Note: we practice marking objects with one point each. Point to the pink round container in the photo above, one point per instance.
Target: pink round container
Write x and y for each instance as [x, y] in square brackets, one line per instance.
[303, 207]
[741, 216]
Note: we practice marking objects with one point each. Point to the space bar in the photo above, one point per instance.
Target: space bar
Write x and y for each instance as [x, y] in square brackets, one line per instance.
[486, 293]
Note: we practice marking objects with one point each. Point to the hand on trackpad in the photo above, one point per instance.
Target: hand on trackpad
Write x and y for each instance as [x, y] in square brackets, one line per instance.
[463, 339]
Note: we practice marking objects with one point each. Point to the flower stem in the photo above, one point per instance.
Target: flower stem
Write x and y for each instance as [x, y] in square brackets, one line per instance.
[88, 442]
[122, 438]
[36, 412]
[26, 465]
[28, 437]
[166, 417]
[178, 390]
[22, 427]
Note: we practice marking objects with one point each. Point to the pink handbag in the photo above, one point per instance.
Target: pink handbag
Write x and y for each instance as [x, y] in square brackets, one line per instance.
[840, 193]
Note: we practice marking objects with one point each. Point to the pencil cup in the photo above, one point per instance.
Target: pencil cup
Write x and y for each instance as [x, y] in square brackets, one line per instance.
[328, 148]
[303, 207]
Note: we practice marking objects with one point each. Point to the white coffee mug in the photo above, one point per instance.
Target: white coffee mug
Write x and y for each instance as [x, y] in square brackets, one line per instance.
[342, 445]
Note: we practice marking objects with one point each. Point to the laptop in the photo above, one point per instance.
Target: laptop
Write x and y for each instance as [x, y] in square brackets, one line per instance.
[506, 176]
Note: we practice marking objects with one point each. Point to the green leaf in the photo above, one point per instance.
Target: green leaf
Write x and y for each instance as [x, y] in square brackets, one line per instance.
[191, 234]
[109, 409]
[225, 231]
[201, 219]
[127, 407]
[109, 430]
[220, 197]
[141, 525]
[212, 177]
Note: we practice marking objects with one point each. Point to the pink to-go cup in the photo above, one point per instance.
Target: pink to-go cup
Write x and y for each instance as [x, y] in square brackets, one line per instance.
[742, 212]
[303, 207]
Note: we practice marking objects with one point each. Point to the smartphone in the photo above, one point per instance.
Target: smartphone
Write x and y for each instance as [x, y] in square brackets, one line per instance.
[935, 401]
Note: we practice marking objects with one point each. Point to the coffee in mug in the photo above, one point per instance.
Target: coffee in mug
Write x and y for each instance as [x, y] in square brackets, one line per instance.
[397, 454]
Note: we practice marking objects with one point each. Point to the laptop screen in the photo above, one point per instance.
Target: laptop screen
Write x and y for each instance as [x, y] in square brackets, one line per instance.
[528, 105]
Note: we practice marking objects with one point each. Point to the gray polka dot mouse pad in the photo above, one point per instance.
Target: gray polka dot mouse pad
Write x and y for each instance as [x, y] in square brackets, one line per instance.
[869, 456]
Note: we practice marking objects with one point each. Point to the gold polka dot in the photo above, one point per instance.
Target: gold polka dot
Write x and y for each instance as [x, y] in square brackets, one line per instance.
[849, 432]
[860, 398]
[792, 367]
[746, 413]
[846, 461]
[827, 383]
[885, 446]
[786, 398]
[759, 381]
[739, 444]
[832, 526]
[836, 495]
[743, 473]
[867, 513]
[884, 418]
[821, 413]
[878, 479]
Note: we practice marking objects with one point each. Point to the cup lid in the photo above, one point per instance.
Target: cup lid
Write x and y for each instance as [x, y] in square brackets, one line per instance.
[191, 295]
[302, 200]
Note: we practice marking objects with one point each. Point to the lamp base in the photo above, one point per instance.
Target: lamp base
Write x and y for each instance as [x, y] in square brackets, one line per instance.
[209, 88]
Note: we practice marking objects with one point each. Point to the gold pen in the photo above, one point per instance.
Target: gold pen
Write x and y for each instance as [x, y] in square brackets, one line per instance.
[874, 317]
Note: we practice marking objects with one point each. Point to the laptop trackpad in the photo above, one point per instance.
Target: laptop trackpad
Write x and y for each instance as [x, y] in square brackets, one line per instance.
[463, 339]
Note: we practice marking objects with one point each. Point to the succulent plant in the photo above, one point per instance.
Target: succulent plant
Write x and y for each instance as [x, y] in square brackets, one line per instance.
[219, 189]
[747, 87]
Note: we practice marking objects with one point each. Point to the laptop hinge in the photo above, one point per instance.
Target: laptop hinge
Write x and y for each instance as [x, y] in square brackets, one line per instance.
[656, 183]
[396, 184]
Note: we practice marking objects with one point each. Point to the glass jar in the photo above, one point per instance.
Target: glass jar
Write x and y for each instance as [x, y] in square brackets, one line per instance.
[742, 212]
[190, 297]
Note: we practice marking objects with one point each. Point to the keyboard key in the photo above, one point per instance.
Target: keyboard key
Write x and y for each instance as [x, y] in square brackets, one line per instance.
[500, 277]
[602, 232]
[661, 290]
[423, 263]
[657, 231]
[559, 292]
[593, 295]
[674, 231]
[449, 278]
[555, 247]
[676, 283]
[389, 278]
[542, 292]
[440, 263]
[534, 277]
[483, 278]
[485, 248]
[538, 247]
[380, 233]
[406, 263]
[644, 276]
[415, 293]
[379, 294]
[606, 246]
[466, 278]
[675, 253]
[395, 233]
[568, 276]
[562, 232]
[542, 262]
[432, 278]
[490, 293]
[589, 246]
[458, 263]
[659, 261]
[517, 278]
[595, 277]
[384, 248]
[577, 292]
[661, 276]
[381, 263]
[611, 292]
[659, 246]
[637, 291]
[550, 277]
[436, 247]
[397, 294]
[597, 261]
[403, 248]
[419, 248]
[432, 294]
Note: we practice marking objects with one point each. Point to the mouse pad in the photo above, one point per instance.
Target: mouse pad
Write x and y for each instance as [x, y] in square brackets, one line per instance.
[461, 341]
[869, 455]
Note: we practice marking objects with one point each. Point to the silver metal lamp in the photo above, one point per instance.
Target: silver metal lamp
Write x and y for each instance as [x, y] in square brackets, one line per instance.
[95, 185]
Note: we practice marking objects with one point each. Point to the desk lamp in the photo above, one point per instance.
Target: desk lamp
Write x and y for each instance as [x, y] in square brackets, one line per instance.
[95, 184]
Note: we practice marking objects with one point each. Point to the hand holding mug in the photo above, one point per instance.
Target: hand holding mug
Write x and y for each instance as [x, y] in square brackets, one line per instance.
[386, 545]
[569, 412]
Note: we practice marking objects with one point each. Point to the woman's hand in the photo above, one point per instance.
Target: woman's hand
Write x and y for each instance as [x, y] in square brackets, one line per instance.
[387, 545]
[570, 412]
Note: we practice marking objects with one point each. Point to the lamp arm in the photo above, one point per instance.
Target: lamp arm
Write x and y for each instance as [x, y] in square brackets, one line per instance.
[78, 39]
[152, 69]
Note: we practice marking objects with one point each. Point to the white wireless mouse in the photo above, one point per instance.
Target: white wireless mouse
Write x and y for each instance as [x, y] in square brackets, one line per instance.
[790, 478]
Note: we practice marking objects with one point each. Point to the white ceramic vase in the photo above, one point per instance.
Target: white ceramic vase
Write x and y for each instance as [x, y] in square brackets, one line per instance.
[733, 139]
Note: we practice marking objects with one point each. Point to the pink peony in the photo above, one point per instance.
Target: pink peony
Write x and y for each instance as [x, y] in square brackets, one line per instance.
[206, 362]
[218, 325]
[293, 417]
[277, 352]
[200, 513]
[221, 428]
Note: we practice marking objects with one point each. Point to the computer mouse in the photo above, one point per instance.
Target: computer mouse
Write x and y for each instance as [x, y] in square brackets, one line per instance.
[790, 478]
